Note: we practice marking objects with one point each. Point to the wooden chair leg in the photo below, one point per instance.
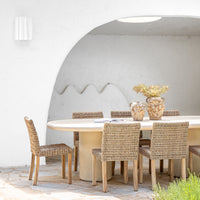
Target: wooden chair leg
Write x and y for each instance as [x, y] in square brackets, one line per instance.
[122, 167]
[191, 162]
[149, 166]
[93, 169]
[36, 170]
[104, 175]
[138, 158]
[113, 168]
[161, 166]
[135, 175]
[75, 158]
[171, 169]
[153, 174]
[140, 168]
[63, 166]
[31, 167]
[183, 168]
[149, 162]
[69, 168]
[125, 172]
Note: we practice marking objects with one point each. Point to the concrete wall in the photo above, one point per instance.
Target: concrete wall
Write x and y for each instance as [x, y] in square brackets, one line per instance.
[125, 61]
[28, 70]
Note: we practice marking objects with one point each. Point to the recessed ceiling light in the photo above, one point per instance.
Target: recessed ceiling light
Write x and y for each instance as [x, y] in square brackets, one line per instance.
[139, 19]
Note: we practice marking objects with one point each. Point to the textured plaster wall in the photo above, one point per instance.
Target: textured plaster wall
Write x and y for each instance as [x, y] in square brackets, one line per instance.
[28, 70]
[125, 61]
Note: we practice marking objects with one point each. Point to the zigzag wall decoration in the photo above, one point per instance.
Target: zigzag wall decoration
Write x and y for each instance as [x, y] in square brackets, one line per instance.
[81, 91]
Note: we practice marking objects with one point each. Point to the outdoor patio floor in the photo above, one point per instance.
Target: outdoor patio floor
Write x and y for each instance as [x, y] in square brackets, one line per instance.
[14, 184]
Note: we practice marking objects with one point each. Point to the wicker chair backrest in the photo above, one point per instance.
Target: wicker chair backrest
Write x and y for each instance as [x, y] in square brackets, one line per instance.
[120, 142]
[120, 114]
[87, 115]
[169, 140]
[171, 113]
[34, 142]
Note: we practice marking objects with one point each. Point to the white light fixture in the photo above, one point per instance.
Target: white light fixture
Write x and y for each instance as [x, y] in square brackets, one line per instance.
[139, 19]
[23, 28]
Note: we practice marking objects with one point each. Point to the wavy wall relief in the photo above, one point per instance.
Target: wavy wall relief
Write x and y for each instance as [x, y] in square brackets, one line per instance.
[89, 98]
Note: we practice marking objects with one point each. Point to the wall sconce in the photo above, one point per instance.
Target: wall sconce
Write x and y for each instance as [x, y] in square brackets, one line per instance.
[23, 28]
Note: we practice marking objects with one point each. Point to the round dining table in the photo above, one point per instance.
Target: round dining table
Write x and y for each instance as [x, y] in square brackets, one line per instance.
[90, 136]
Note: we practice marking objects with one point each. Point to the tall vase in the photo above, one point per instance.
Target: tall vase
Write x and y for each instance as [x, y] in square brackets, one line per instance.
[155, 107]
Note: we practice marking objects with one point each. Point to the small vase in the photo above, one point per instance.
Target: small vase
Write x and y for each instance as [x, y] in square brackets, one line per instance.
[155, 107]
[138, 110]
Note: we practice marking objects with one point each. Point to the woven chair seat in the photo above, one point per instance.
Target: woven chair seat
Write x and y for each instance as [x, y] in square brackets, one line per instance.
[54, 150]
[195, 149]
[145, 151]
[97, 153]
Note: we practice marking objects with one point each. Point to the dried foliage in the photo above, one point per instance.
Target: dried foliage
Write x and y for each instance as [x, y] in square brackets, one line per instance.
[151, 91]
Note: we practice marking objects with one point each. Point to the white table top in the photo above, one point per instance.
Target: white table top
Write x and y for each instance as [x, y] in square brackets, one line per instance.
[87, 125]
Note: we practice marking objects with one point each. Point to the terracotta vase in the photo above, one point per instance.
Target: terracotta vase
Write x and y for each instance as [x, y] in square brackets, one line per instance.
[138, 110]
[155, 107]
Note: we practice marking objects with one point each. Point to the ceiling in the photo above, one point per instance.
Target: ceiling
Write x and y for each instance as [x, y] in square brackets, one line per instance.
[177, 26]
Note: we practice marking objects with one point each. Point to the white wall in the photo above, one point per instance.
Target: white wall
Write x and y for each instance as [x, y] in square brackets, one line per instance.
[28, 69]
[126, 61]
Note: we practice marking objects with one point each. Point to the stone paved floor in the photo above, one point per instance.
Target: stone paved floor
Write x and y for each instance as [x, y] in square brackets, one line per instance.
[14, 184]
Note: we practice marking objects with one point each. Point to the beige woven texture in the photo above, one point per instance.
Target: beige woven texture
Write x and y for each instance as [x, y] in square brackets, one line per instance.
[87, 115]
[118, 114]
[120, 142]
[171, 113]
[34, 142]
[169, 140]
[46, 150]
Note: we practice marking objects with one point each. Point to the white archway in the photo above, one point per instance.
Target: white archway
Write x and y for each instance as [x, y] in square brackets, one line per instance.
[97, 60]
[29, 69]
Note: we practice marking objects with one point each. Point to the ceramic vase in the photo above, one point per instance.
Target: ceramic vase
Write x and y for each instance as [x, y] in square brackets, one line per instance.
[138, 110]
[155, 107]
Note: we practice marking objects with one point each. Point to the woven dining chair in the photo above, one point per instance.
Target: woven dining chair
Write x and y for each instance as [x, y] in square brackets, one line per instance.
[46, 150]
[168, 113]
[193, 149]
[168, 141]
[82, 115]
[119, 142]
[126, 114]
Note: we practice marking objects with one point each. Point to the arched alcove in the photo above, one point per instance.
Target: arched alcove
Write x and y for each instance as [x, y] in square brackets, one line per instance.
[29, 69]
[100, 71]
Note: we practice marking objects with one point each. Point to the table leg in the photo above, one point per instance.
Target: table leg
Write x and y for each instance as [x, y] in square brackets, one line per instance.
[88, 141]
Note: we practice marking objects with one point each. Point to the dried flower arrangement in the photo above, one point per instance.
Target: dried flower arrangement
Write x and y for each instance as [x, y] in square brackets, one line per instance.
[151, 91]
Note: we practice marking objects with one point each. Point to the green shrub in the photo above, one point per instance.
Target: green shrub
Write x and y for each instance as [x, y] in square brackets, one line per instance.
[180, 190]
